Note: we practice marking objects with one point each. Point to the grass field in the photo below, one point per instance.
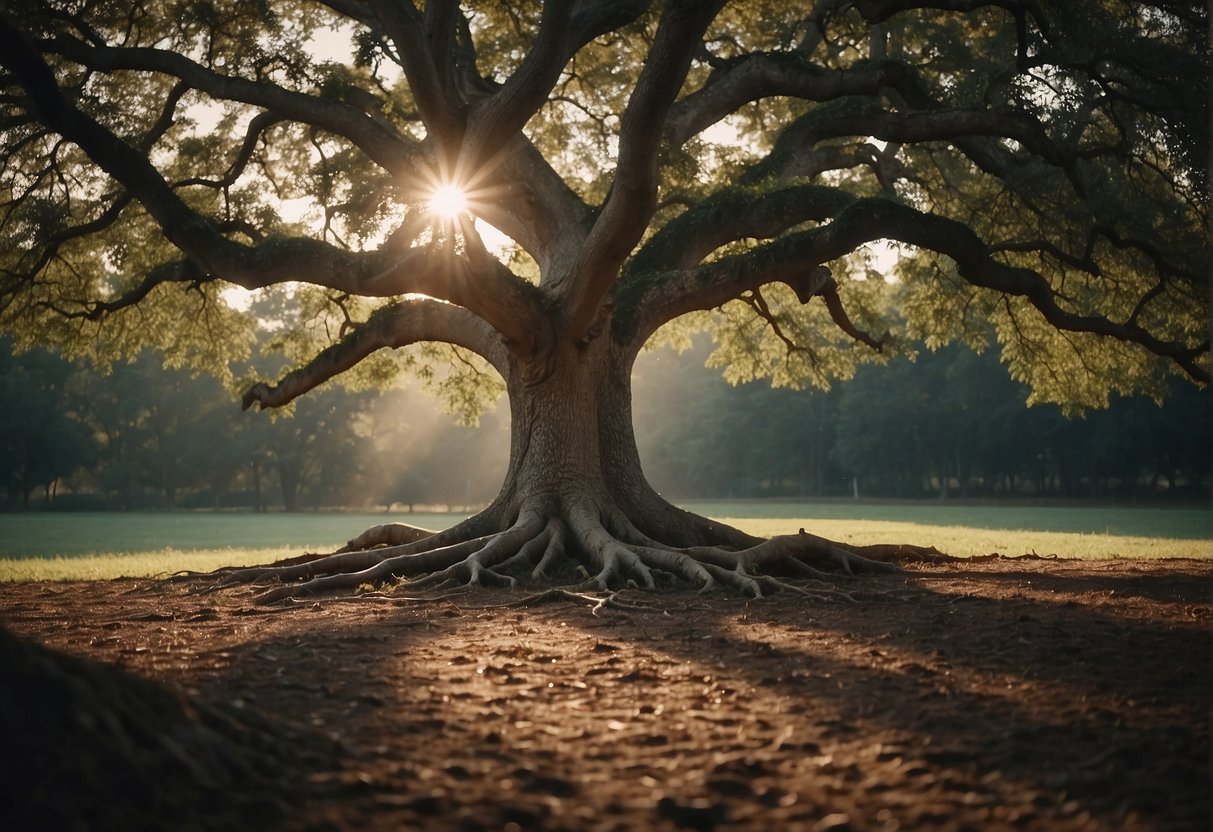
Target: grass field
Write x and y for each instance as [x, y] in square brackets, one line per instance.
[98, 546]
[1194, 524]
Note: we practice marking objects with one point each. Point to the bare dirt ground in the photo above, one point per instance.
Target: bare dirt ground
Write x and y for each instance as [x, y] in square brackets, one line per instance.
[995, 694]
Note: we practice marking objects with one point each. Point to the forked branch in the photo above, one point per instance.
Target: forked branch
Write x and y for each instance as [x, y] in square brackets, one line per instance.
[633, 196]
[394, 153]
[792, 256]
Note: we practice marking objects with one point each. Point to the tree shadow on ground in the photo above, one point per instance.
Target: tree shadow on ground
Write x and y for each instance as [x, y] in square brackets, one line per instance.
[990, 697]
[951, 697]
[91, 746]
[1185, 581]
[1028, 701]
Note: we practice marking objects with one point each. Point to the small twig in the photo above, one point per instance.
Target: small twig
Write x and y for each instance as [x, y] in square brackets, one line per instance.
[595, 603]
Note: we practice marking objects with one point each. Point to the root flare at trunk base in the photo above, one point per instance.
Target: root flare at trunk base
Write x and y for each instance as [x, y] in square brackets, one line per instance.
[584, 548]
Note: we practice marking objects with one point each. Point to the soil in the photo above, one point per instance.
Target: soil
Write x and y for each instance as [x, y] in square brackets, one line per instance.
[991, 694]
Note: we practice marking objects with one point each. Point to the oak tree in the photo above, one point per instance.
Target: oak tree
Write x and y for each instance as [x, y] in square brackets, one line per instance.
[519, 197]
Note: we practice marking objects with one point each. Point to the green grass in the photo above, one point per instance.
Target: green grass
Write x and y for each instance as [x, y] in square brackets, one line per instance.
[101, 546]
[70, 535]
[133, 565]
[1173, 523]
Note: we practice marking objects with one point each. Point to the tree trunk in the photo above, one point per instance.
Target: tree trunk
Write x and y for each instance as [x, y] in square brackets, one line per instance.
[574, 493]
[573, 448]
[289, 479]
[257, 504]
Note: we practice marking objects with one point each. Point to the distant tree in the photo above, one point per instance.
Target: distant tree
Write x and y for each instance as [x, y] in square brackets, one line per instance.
[689, 422]
[40, 442]
[157, 428]
[183, 439]
[1042, 163]
[682, 411]
[950, 417]
[955, 418]
[114, 410]
[408, 489]
[417, 453]
[315, 450]
[888, 424]
[1183, 443]
[1136, 449]
[221, 454]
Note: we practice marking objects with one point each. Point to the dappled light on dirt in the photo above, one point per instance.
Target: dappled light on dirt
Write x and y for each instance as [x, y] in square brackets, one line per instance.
[994, 695]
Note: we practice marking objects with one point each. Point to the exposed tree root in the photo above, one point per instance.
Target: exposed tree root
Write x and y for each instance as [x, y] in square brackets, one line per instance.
[604, 548]
[391, 534]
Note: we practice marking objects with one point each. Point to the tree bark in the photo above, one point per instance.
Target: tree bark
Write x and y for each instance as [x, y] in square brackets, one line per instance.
[574, 496]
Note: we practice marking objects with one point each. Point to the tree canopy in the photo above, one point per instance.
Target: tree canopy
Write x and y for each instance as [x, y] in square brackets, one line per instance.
[1041, 164]
[690, 164]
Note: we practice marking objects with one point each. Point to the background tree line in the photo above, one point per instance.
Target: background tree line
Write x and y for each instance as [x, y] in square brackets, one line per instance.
[146, 436]
[951, 424]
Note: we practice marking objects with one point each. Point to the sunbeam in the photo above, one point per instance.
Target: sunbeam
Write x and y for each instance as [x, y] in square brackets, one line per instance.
[448, 201]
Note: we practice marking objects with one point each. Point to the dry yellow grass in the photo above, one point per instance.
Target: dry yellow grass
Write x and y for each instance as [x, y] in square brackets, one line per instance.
[967, 542]
[134, 565]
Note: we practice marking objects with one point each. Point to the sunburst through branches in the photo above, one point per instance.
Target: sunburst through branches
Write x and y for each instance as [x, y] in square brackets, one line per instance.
[448, 201]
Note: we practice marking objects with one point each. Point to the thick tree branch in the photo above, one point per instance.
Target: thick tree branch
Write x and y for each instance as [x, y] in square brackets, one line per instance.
[793, 257]
[442, 19]
[976, 266]
[259, 124]
[768, 75]
[181, 224]
[878, 11]
[441, 112]
[862, 118]
[179, 271]
[535, 206]
[732, 214]
[978, 133]
[565, 27]
[489, 292]
[386, 148]
[633, 196]
[592, 18]
[504, 114]
[478, 283]
[167, 112]
[397, 325]
[764, 75]
[353, 9]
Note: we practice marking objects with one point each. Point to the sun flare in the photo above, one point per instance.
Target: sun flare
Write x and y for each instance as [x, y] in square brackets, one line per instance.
[448, 201]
